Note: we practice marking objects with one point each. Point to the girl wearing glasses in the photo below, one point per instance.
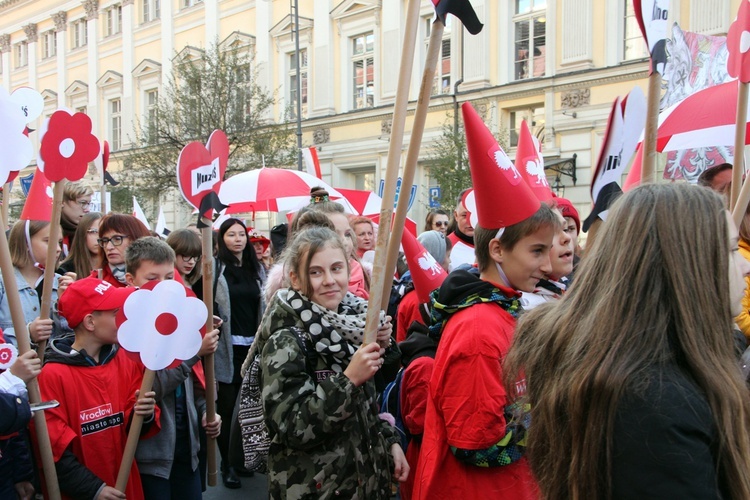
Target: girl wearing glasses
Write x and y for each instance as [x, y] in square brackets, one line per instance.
[84, 254]
[187, 248]
[437, 220]
[116, 233]
[76, 204]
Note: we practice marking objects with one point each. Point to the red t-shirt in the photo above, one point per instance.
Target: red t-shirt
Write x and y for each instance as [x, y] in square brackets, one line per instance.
[465, 410]
[407, 312]
[96, 404]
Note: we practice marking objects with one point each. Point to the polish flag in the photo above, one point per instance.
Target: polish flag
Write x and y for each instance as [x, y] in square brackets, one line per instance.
[138, 213]
[310, 155]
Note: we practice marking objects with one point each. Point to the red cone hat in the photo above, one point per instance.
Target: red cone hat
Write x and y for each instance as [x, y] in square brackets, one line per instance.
[530, 164]
[502, 196]
[38, 204]
[425, 271]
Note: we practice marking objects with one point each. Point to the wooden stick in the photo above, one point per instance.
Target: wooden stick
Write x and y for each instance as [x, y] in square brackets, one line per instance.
[24, 345]
[134, 434]
[379, 277]
[50, 263]
[738, 202]
[412, 155]
[207, 263]
[6, 205]
[648, 168]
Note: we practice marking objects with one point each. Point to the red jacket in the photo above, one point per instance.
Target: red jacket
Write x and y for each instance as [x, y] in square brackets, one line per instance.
[465, 410]
[407, 312]
[96, 406]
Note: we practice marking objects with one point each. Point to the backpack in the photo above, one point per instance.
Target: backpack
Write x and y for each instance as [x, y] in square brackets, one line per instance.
[390, 402]
[255, 440]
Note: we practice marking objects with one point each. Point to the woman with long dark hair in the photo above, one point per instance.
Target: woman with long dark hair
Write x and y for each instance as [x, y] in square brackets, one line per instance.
[238, 282]
[634, 387]
[84, 254]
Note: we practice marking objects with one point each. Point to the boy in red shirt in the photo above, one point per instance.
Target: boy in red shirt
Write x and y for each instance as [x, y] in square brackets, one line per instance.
[473, 439]
[97, 387]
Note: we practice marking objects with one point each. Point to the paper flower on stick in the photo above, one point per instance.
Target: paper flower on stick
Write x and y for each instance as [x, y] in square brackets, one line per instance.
[68, 146]
[16, 147]
[8, 356]
[162, 324]
[738, 44]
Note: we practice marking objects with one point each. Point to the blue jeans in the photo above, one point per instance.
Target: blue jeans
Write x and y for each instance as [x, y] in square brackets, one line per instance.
[183, 484]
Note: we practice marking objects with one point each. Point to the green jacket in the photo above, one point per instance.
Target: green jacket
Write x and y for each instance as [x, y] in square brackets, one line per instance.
[327, 440]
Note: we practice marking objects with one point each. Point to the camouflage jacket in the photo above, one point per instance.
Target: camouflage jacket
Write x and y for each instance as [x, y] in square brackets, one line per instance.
[326, 438]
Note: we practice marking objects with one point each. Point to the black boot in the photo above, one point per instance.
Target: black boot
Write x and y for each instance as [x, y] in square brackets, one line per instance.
[229, 477]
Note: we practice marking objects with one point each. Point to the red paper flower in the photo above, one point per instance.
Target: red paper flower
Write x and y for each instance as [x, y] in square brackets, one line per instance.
[738, 44]
[68, 146]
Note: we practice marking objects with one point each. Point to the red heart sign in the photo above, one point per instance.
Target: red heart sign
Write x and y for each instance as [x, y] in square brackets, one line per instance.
[200, 168]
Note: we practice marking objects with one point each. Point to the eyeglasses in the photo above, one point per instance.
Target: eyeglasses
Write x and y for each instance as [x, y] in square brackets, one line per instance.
[84, 204]
[441, 223]
[186, 259]
[93, 230]
[115, 240]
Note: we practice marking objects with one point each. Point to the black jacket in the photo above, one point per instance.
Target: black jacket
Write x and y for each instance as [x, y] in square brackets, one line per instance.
[665, 441]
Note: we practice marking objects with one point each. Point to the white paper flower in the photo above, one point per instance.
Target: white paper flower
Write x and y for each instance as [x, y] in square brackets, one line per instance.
[8, 355]
[162, 324]
[16, 147]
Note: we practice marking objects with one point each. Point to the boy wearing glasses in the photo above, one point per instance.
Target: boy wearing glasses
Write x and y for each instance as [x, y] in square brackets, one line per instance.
[168, 462]
[76, 204]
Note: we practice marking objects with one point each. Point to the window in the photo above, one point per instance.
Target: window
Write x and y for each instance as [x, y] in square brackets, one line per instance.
[363, 70]
[534, 117]
[49, 44]
[151, 98]
[151, 10]
[293, 82]
[364, 180]
[115, 123]
[81, 109]
[442, 82]
[530, 48]
[79, 33]
[21, 52]
[114, 20]
[634, 46]
[190, 3]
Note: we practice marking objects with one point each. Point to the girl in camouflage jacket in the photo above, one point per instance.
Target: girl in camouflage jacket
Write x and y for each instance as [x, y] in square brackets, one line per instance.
[319, 400]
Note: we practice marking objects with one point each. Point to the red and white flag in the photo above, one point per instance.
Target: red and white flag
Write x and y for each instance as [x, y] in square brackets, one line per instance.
[310, 155]
[139, 214]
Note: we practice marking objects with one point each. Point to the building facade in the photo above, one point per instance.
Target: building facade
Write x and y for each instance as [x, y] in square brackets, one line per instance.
[558, 64]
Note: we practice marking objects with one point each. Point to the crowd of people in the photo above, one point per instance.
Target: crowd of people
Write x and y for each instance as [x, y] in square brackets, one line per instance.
[508, 364]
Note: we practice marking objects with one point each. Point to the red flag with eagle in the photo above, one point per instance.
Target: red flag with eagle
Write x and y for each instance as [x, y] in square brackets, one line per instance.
[462, 9]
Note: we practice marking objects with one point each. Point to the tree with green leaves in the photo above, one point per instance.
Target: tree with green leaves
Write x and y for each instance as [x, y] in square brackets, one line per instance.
[448, 161]
[217, 90]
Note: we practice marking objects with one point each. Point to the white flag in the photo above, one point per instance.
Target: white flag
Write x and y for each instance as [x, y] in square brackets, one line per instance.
[161, 225]
[138, 213]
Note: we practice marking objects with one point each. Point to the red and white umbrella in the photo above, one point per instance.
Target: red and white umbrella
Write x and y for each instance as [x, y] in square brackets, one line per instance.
[368, 203]
[362, 202]
[270, 190]
[703, 119]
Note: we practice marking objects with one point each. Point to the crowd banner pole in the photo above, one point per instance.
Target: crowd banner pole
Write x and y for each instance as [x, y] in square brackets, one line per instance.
[24, 345]
[412, 155]
[740, 191]
[50, 263]
[207, 263]
[379, 277]
[134, 434]
[103, 204]
[648, 169]
[6, 205]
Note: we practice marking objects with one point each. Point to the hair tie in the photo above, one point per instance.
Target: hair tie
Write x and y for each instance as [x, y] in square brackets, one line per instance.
[315, 199]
